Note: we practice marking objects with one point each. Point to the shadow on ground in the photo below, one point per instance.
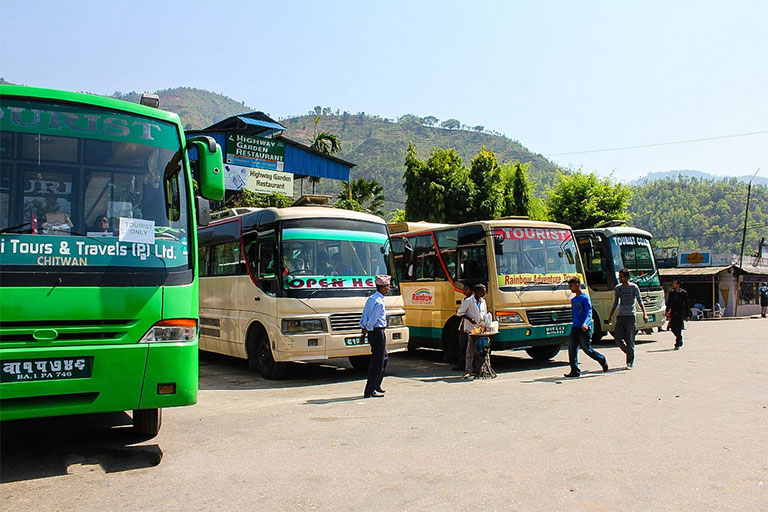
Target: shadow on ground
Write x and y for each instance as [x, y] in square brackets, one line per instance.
[46, 447]
[218, 372]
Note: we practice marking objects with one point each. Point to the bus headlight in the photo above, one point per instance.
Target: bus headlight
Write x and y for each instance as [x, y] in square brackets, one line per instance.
[177, 329]
[508, 318]
[395, 320]
[297, 326]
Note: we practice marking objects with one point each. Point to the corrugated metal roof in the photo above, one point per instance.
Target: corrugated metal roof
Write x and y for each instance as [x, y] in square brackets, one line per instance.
[692, 271]
[259, 122]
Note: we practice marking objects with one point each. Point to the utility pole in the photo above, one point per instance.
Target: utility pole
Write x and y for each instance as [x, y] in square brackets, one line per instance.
[743, 240]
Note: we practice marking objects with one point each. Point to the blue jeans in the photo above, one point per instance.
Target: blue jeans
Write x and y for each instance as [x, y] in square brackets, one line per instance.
[582, 339]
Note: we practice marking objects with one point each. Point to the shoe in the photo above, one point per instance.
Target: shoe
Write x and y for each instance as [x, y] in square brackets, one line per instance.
[472, 377]
[629, 366]
[379, 390]
[677, 347]
[373, 395]
[467, 376]
[572, 375]
[605, 367]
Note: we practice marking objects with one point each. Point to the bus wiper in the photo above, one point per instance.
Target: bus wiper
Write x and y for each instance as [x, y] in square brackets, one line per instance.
[14, 228]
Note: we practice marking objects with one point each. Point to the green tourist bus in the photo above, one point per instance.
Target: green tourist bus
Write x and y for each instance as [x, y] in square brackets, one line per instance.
[98, 277]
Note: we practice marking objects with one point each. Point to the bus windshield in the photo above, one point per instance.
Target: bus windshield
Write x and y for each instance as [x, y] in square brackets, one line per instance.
[85, 190]
[528, 256]
[635, 254]
[347, 256]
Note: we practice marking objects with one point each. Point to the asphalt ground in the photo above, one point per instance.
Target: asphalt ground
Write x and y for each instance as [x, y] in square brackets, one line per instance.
[683, 430]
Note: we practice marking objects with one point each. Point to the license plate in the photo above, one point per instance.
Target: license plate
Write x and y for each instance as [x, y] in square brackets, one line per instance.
[652, 318]
[57, 368]
[555, 330]
[357, 340]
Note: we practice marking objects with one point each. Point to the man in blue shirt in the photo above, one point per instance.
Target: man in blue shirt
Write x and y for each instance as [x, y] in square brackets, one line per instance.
[581, 330]
[762, 292]
[374, 322]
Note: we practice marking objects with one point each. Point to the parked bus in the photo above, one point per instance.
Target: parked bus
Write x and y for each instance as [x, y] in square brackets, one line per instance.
[607, 249]
[525, 265]
[98, 292]
[281, 285]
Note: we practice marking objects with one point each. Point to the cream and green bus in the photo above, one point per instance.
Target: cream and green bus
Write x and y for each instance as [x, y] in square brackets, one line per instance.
[607, 249]
[525, 265]
[289, 285]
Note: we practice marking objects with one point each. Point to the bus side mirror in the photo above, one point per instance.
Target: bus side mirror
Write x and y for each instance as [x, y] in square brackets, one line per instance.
[569, 255]
[210, 167]
[203, 208]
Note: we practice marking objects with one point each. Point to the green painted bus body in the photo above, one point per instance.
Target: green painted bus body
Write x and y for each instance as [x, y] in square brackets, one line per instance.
[102, 322]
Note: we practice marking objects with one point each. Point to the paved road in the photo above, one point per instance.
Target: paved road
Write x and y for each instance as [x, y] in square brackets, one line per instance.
[681, 431]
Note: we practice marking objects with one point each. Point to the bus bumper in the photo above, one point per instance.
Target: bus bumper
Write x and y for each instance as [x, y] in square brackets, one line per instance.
[123, 377]
[313, 347]
[517, 338]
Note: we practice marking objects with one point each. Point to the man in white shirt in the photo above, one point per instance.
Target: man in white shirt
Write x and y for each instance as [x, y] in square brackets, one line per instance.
[463, 338]
[473, 317]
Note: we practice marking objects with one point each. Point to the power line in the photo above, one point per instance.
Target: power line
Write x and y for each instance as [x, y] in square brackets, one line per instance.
[658, 144]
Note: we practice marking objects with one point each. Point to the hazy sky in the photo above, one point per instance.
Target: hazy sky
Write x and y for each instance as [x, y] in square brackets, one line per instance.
[557, 76]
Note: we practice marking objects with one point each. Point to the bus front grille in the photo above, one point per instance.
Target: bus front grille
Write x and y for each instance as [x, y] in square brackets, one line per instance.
[345, 321]
[549, 316]
[66, 332]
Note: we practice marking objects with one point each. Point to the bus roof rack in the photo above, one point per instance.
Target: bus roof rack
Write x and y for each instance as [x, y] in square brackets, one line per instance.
[232, 212]
[612, 224]
[313, 200]
[518, 217]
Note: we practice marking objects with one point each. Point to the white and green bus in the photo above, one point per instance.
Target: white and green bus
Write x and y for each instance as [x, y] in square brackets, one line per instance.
[605, 250]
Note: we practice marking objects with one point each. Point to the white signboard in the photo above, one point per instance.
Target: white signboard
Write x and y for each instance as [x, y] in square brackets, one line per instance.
[258, 180]
[137, 230]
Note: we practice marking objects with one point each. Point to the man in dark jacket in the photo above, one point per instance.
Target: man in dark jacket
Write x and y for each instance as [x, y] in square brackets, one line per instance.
[678, 312]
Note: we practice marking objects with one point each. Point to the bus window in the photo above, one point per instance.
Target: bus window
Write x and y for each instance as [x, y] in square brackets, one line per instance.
[402, 259]
[446, 242]
[226, 259]
[598, 267]
[203, 261]
[473, 265]
[265, 273]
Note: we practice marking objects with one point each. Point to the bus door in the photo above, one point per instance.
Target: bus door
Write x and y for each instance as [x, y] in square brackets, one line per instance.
[266, 273]
[472, 258]
[596, 256]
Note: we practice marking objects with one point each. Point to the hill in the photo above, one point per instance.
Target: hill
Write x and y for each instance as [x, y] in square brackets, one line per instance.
[377, 146]
[197, 108]
[701, 175]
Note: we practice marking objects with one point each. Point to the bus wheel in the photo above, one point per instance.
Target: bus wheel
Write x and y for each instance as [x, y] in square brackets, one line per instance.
[146, 422]
[260, 359]
[360, 363]
[597, 332]
[544, 353]
[451, 340]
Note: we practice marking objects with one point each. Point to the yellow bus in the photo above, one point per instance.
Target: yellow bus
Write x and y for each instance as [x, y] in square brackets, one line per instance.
[281, 285]
[524, 264]
[607, 249]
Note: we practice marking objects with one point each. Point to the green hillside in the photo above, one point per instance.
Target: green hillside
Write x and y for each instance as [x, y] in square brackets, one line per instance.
[377, 146]
[198, 108]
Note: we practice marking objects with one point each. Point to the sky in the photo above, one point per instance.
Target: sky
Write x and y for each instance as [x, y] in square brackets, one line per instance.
[558, 76]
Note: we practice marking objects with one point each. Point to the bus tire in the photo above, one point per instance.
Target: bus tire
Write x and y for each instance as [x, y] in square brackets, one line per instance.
[360, 363]
[147, 422]
[451, 340]
[260, 356]
[543, 353]
[597, 332]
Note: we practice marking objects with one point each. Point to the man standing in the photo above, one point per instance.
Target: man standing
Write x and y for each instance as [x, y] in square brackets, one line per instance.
[463, 337]
[625, 295]
[374, 323]
[581, 330]
[474, 316]
[678, 312]
[762, 292]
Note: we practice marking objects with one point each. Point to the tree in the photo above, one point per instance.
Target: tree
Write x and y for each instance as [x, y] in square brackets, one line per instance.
[397, 216]
[349, 204]
[451, 124]
[326, 143]
[478, 128]
[439, 189]
[518, 191]
[485, 173]
[366, 193]
[584, 200]
[245, 198]
[430, 120]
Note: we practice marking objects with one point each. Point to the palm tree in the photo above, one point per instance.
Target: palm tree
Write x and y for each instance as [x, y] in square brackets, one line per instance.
[369, 193]
[327, 144]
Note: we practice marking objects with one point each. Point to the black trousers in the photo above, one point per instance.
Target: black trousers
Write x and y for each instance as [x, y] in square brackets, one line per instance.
[676, 325]
[378, 340]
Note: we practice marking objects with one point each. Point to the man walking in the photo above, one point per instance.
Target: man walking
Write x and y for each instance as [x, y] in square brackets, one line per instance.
[463, 337]
[625, 295]
[474, 316]
[581, 330]
[762, 292]
[374, 323]
[678, 312]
